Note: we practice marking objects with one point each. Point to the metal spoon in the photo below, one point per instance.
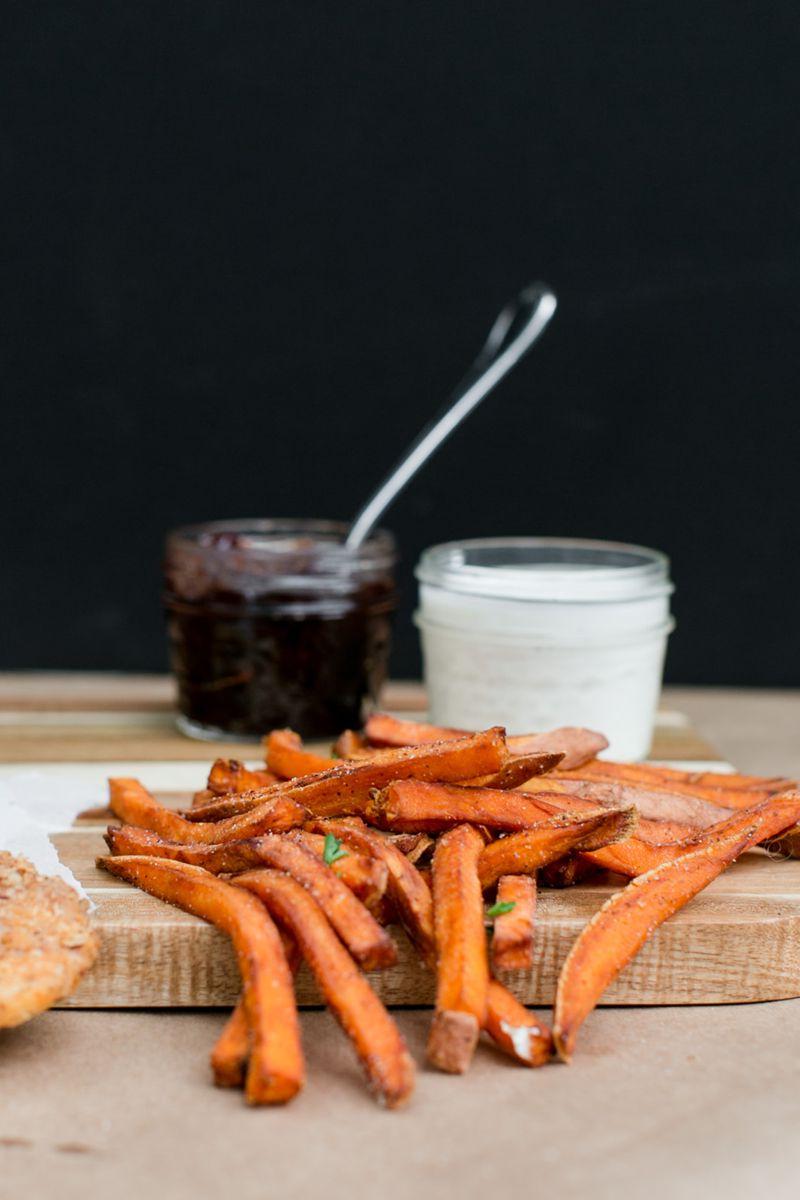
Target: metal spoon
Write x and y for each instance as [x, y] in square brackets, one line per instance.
[515, 330]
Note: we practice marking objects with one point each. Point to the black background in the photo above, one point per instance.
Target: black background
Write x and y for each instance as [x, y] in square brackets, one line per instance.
[249, 248]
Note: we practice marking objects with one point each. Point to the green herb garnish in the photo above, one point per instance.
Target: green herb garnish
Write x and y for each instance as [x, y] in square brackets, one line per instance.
[334, 850]
[502, 906]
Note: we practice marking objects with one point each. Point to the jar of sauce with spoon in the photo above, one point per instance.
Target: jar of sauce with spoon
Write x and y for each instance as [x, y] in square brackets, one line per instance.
[277, 622]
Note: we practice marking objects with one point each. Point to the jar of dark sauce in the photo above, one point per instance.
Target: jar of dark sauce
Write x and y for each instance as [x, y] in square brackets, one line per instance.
[275, 623]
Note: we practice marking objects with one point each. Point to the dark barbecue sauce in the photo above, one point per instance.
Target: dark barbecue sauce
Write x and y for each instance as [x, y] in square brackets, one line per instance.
[275, 624]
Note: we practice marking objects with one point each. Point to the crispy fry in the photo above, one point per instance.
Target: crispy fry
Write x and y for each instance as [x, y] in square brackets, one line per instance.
[693, 812]
[624, 923]
[365, 876]
[412, 804]
[771, 818]
[462, 965]
[232, 1049]
[378, 1043]
[349, 743]
[517, 771]
[369, 944]
[515, 1029]
[383, 730]
[234, 804]
[406, 888]
[729, 791]
[134, 805]
[576, 745]
[346, 789]
[512, 939]
[287, 757]
[655, 833]
[569, 870]
[275, 1070]
[523, 853]
[229, 775]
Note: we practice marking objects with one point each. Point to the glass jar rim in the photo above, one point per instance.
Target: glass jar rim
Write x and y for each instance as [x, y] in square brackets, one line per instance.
[551, 570]
[274, 540]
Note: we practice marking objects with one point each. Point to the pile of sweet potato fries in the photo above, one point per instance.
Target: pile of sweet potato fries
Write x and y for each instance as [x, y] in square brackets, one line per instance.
[442, 832]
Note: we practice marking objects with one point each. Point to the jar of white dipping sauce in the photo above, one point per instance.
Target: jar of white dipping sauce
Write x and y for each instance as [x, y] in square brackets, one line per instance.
[533, 633]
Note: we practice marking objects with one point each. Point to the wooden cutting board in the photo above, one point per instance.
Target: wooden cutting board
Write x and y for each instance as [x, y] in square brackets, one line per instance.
[738, 941]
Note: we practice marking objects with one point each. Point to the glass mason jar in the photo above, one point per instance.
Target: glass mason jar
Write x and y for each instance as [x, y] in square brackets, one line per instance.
[276, 622]
[534, 633]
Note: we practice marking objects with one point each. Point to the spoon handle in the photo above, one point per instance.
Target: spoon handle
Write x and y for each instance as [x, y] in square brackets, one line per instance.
[514, 331]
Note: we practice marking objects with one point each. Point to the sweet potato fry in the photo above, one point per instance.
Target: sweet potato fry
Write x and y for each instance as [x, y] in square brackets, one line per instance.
[229, 775]
[412, 804]
[624, 923]
[656, 833]
[275, 1070]
[345, 790]
[515, 1029]
[369, 944]
[729, 791]
[517, 771]
[232, 1049]
[523, 853]
[406, 888]
[383, 730]
[378, 1043]
[693, 812]
[287, 757]
[512, 939]
[134, 805]
[365, 876]
[770, 818]
[219, 808]
[575, 745]
[567, 871]
[349, 743]
[462, 965]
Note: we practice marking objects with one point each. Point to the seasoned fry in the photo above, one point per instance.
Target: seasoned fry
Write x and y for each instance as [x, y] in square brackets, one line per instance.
[515, 1029]
[349, 743]
[693, 812]
[729, 791]
[275, 1071]
[406, 888]
[365, 876]
[345, 790]
[770, 818]
[523, 853]
[462, 966]
[569, 870]
[624, 923]
[512, 939]
[232, 1049]
[576, 745]
[287, 757]
[383, 730]
[229, 775]
[517, 771]
[411, 804]
[369, 944]
[378, 1043]
[134, 805]
[655, 833]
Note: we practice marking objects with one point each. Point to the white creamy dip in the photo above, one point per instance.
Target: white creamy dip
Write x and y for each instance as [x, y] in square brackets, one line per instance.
[532, 633]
